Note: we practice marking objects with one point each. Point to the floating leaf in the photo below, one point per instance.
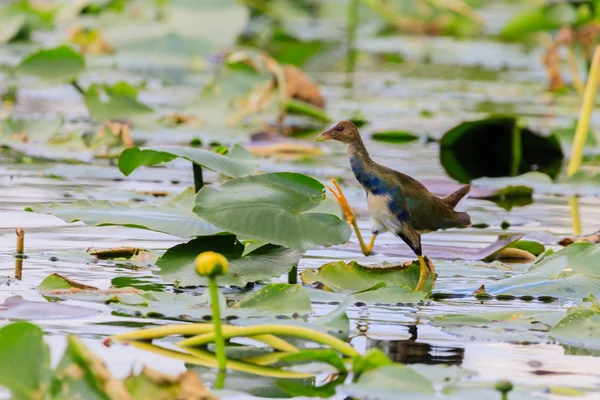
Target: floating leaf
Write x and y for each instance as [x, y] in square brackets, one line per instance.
[10, 26]
[135, 157]
[581, 183]
[272, 207]
[394, 137]
[265, 262]
[387, 382]
[57, 65]
[568, 273]
[278, 298]
[167, 218]
[24, 360]
[496, 147]
[581, 326]
[117, 102]
[341, 276]
[17, 308]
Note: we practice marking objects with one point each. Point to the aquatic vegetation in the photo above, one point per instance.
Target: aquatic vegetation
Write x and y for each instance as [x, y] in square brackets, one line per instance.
[138, 135]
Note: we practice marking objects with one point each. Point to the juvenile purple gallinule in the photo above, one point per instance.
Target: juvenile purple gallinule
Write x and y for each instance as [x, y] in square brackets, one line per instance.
[397, 203]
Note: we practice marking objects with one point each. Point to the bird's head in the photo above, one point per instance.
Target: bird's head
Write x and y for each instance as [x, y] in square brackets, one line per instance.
[343, 131]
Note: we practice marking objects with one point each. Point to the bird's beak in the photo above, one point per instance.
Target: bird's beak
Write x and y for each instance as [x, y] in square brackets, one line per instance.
[323, 137]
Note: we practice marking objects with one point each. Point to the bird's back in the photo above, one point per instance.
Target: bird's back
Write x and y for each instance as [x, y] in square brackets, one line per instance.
[412, 203]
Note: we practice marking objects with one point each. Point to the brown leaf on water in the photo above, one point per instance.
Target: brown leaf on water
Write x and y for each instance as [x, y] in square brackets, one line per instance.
[513, 255]
[156, 385]
[285, 150]
[117, 252]
[594, 238]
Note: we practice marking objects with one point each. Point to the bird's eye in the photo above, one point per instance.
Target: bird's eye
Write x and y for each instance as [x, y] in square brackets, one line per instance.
[339, 128]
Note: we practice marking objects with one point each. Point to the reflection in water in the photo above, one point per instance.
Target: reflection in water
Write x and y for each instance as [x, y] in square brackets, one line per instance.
[410, 351]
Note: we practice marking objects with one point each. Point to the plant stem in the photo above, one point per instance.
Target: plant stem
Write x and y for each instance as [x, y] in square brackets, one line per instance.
[204, 358]
[218, 333]
[516, 150]
[19, 253]
[350, 41]
[197, 329]
[576, 220]
[274, 329]
[293, 275]
[583, 124]
[77, 87]
[198, 178]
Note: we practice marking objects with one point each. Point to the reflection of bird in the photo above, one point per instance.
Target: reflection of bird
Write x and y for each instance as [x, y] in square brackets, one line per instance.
[397, 202]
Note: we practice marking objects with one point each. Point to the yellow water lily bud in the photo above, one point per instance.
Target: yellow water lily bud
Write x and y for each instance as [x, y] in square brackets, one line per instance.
[211, 264]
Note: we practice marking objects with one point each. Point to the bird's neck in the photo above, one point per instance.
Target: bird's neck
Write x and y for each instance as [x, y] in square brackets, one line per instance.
[361, 164]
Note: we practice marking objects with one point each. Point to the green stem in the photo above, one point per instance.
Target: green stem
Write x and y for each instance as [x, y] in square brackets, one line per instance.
[293, 275]
[350, 41]
[206, 359]
[218, 333]
[77, 87]
[516, 150]
[198, 178]
[274, 329]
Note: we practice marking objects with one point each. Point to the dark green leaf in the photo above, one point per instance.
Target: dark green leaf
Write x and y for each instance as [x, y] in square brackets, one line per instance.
[57, 65]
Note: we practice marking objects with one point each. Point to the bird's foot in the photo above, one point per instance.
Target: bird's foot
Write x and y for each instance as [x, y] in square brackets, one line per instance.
[336, 191]
[427, 268]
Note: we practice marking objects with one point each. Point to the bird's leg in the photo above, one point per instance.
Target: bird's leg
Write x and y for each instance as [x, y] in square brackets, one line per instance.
[427, 268]
[351, 217]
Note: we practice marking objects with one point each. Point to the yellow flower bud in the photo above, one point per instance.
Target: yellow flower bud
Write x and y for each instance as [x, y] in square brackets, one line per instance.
[211, 264]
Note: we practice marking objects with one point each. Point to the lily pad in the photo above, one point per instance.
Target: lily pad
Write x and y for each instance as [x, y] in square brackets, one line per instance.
[265, 262]
[17, 308]
[339, 276]
[25, 366]
[278, 298]
[394, 137]
[569, 273]
[581, 183]
[387, 382]
[116, 102]
[135, 157]
[497, 147]
[168, 218]
[273, 207]
[57, 65]
[581, 326]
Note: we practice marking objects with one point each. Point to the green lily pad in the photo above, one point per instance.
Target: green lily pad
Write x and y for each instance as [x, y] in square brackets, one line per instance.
[581, 326]
[120, 104]
[135, 157]
[10, 26]
[168, 218]
[387, 382]
[581, 183]
[504, 326]
[539, 19]
[57, 65]
[278, 298]
[497, 147]
[273, 207]
[352, 277]
[327, 356]
[25, 366]
[567, 273]
[265, 262]
[32, 130]
[394, 137]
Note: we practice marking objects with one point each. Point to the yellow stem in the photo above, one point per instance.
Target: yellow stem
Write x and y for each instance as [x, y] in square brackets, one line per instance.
[584, 115]
[572, 61]
[206, 359]
[285, 330]
[267, 359]
[576, 220]
[197, 329]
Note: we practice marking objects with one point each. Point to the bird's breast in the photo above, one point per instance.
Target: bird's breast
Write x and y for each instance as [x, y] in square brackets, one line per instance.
[379, 208]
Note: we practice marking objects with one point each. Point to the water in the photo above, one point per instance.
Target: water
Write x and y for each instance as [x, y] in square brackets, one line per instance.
[392, 96]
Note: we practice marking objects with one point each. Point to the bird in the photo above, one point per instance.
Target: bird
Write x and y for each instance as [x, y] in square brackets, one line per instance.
[397, 202]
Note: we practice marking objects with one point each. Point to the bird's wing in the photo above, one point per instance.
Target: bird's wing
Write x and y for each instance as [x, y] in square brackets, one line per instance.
[411, 202]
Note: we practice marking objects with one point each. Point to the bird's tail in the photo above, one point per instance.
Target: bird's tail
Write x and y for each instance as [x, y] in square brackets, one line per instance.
[457, 196]
[463, 218]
